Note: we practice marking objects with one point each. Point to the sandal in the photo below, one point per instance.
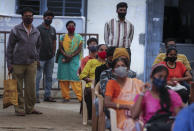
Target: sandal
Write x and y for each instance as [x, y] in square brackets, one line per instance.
[35, 112]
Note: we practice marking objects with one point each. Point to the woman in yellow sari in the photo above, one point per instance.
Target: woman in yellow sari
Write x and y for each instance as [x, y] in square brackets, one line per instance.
[120, 94]
[68, 62]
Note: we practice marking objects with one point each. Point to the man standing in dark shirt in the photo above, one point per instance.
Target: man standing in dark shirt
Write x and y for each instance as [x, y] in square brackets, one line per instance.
[47, 53]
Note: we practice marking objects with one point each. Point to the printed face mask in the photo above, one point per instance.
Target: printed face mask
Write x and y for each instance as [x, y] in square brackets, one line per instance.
[121, 72]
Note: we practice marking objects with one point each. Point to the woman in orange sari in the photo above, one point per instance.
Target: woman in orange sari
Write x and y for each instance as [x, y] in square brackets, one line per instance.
[120, 94]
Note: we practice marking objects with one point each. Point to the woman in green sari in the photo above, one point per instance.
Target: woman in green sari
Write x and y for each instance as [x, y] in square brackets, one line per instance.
[68, 62]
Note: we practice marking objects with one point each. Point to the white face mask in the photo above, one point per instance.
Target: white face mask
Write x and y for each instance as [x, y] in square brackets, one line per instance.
[121, 71]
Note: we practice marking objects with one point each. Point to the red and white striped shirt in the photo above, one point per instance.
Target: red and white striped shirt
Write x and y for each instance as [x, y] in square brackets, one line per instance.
[118, 33]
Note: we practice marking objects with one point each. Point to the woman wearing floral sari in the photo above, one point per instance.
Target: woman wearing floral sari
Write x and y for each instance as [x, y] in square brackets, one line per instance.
[120, 94]
[68, 62]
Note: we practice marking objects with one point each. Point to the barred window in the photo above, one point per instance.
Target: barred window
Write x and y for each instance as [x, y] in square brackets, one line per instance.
[35, 4]
[59, 7]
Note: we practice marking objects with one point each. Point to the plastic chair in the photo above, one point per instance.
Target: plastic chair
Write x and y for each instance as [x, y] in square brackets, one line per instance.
[101, 116]
[84, 106]
[113, 120]
[94, 116]
[192, 92]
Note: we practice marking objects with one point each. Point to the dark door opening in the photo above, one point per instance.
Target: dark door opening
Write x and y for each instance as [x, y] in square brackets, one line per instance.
[179, 20]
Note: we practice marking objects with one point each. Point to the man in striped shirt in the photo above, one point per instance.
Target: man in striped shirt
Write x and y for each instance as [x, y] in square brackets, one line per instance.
[118, 32]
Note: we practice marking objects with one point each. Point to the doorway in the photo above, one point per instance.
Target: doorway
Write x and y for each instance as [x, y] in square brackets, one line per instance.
[179, 20]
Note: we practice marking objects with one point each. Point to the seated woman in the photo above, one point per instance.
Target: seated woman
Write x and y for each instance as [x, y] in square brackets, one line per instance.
[178, 74]
[88, 74]
[121, 92]
[157, 96]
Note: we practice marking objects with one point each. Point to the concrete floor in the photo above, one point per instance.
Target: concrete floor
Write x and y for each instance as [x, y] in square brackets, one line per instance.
[56, 117]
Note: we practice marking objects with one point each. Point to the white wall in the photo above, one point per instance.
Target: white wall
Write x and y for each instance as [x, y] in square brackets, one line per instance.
[7, 7]
[100, 11]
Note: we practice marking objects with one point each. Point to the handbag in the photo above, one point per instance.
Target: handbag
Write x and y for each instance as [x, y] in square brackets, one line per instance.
[161, 121]
[57, 55]
[182, 91]
[10, 95]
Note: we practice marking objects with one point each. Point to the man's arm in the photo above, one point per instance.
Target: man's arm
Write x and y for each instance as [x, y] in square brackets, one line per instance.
[38, 45]
[54, 47]
[106, 33]
[10, 48]
[54, 43]
[131, 33]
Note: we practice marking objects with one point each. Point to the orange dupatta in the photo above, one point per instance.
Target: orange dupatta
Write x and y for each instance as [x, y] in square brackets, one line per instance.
[127, 95]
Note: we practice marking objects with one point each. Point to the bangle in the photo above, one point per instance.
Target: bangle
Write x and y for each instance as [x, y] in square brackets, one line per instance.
[141, 94]
[118, 105]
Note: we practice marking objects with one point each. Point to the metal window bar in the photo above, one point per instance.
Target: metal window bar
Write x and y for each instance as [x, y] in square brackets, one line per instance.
[4, 37]
[76, 6]
[35, 4]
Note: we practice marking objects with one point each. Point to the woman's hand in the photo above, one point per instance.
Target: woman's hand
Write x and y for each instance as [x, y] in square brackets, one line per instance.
[126, 107]
[146, 87]
[88, 80]
[175, 79]
[171, 83]
[69, 57]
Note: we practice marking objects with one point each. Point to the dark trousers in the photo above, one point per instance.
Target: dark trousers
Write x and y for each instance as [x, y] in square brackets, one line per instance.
[88, 100]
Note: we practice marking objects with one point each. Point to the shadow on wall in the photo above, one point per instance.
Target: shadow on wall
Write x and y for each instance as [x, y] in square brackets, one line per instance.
[140, 76]
[141, 42]
[142, 38]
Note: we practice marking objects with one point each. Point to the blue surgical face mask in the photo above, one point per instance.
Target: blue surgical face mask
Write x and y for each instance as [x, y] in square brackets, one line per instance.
[159, 83]
[93, 48]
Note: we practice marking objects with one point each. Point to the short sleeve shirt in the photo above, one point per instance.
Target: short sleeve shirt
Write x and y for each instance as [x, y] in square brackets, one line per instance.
[151, 105]
[48, 36]
[113, 89]
[177, 72]
[180, 57]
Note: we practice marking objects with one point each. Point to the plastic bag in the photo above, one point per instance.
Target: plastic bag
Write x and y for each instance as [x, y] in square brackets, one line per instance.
[10, 95]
